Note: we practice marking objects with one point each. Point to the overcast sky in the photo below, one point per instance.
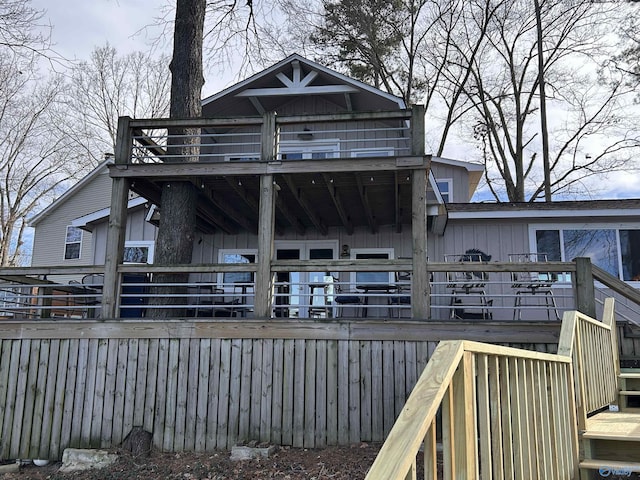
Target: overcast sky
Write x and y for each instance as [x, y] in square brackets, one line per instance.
[81, 25]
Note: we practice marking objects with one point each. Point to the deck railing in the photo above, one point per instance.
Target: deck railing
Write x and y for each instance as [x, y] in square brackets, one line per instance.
[592, 345]
[311, 288]
[240, 140]
[505, 413]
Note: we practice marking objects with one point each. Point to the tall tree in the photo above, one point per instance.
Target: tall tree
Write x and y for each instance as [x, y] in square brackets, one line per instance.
[110, 85]
[34, 162]
[176, 233]
[591, 139]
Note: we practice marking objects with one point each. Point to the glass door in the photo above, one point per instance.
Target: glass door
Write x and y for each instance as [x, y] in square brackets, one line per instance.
[299, 294]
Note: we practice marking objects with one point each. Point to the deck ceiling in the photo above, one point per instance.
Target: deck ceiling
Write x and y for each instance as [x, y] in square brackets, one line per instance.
[305, 201]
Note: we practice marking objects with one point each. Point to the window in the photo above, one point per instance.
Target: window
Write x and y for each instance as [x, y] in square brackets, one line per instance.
[236, 256]
[444, 185]
[73, 243]
[372, 152]
[242, 157]
[362, 278]
[308, 150]
[615, 250]
[138, 252]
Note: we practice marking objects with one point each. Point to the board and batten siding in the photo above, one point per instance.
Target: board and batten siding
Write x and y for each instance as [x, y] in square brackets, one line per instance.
[207, 385]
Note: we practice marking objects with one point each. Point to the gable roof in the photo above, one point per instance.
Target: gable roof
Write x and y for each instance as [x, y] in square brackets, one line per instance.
[102, 167]
[297, 76]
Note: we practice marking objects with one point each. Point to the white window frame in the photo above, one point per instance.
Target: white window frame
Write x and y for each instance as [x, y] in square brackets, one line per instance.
[66, 242]
[242, 157]
[355, 251]
[372, 152]
[150, 245]
[232, 251]
[308, 147]
[448, 197]
[584, 226]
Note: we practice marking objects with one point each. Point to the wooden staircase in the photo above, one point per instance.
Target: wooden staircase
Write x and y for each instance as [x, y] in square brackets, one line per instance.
[611, 439]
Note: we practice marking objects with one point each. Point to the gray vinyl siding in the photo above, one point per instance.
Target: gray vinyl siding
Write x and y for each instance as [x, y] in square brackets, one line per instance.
[459, 177]
[138, 229]
[50, 232]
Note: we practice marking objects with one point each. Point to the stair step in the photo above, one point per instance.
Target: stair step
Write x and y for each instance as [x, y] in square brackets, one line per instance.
[613, 467]
[631, 375]
[621, 426]
[629, 392]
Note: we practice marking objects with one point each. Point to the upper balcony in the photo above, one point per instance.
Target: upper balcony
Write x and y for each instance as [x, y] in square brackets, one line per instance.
[343, 169]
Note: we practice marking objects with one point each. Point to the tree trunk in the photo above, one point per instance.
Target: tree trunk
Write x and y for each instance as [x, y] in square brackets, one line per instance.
[178, 202]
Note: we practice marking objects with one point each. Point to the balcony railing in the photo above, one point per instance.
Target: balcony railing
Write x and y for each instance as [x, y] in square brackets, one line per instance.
[310, 289]
[252, 139]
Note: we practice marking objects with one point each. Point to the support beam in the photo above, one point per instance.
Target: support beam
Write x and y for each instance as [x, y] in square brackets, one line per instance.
[420, 276]
[264, 275]
[266, 222]
[583, 286]
[337, 202]
[396, 200]
[117, 225]
[419, 180]
[306, 206]
[368, 211]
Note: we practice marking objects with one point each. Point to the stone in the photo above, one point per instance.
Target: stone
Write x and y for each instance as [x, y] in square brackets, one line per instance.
[240, 452]
[76, 459]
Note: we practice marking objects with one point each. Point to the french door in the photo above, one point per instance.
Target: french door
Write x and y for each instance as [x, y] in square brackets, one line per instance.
[297, 291]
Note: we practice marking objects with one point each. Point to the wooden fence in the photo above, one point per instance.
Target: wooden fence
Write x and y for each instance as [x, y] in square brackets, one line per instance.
[204, 385]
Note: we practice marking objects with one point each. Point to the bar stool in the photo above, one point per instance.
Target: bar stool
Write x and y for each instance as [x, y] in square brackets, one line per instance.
[532, 283]
[468, 289]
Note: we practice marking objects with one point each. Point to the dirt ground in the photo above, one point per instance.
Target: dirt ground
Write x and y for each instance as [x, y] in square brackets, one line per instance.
[287, 464]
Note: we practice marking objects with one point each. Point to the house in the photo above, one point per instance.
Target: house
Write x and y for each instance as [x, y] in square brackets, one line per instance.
[335, 215]
[321, 220]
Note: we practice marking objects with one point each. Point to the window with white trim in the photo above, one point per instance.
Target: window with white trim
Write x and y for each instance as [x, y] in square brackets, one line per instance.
[138, 252]
[362, 278]
[614, 249]
[73, 243]
[309, 149]
[445, 185]
[372, 152]
[236, 256]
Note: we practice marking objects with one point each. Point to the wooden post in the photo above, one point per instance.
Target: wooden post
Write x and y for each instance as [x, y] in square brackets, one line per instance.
[266, 222]
[420, 275]
[117, 224]
[583, 286]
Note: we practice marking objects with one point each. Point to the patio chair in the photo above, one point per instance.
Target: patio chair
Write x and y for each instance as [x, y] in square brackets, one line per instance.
[534, 283]
[468, 289]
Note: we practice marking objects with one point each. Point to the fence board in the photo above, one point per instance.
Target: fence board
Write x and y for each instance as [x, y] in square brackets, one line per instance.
[288, 376]
[332, 392]
[38, 404]
[182, 386]
[193, 387]
[298, 393]
[223, 398]
[245, 391]
[234, 392]
[267, 388]
[99, 396]
[49, 387]
[277, 391]
[309, 393]
[200, 434]
[69, 392]
[133, 357]
[365, 391]
[354, 392]
[119, 400]
[161, 393]
[30, 399]
[320, 439]
[109, 393]
[213, 398]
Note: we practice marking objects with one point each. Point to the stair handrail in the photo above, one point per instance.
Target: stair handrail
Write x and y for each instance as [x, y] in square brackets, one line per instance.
[505, 412]
[592, 345]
